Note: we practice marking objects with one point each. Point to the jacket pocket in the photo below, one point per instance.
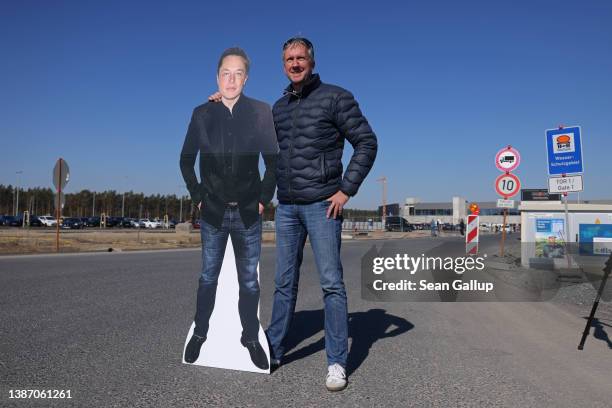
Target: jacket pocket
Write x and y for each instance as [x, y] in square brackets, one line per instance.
[323, 168]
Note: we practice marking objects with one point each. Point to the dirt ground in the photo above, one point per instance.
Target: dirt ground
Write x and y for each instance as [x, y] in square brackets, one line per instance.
[28, 241]
[43, 240]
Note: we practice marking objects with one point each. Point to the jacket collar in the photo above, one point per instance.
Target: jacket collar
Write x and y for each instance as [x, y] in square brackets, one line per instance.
[311, 84]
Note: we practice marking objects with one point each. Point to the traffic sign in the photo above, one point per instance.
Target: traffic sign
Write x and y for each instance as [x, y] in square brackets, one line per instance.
[61, 174]
[501, 203]
[507, 185]
[569, 184]
[564, 148]
[507, 159]
[62, 200]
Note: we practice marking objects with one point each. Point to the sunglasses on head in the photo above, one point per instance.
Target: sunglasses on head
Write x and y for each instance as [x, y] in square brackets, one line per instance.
[293, 40]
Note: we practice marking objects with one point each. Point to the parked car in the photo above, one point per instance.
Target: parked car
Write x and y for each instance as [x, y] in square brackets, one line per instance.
[93, 222]
[2, 219]
[126, 223]
[398, 224]
[113, 222]
[12, 221]
[147, 223]
[35, 221]
[72, 223]
[48, 221]
[195, 224]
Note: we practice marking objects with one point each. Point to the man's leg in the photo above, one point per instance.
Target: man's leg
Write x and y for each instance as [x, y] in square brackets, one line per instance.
[325, 239]
[247, 249]
[290, 240]
[213, 250]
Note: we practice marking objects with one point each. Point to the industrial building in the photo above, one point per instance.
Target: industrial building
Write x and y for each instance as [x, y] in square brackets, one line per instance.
[417, 212]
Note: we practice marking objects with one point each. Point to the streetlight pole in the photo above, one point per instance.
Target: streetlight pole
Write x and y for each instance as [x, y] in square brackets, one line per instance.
[17, 200]
[181, 212]
[181, 187]
[383, 180]
[123, 199]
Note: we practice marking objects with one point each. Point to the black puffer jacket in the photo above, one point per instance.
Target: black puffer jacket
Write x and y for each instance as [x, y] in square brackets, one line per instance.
[311, 127]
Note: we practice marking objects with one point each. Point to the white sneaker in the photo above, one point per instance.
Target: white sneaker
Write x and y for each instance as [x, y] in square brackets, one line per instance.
[336, 378]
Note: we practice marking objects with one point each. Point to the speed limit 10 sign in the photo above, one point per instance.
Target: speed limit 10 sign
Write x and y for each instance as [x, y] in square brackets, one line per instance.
[507, 185]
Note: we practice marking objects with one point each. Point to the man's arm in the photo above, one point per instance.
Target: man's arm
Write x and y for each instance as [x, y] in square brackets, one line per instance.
[268, 184]
[269, 151]
[355, 128]
[188, 159]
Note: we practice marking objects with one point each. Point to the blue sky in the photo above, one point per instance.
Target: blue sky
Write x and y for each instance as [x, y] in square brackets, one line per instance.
[110, 86]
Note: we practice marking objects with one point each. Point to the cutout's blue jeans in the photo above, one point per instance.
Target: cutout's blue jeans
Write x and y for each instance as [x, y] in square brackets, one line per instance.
[293, 223]
[247, 249]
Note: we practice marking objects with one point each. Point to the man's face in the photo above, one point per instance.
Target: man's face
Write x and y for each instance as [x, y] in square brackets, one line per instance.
[297, 64]
[231, 76]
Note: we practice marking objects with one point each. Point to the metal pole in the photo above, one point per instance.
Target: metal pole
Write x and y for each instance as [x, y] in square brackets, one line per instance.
[17, 194]
[58, 206]
[93, 207]
[503, 240]
[567, 232]
[123, 200]
[181, 212]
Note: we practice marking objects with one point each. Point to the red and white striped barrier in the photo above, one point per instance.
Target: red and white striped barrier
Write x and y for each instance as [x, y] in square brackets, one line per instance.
[471, 236]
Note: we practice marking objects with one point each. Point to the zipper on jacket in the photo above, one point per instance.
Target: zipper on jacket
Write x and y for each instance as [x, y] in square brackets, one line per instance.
[291, 147]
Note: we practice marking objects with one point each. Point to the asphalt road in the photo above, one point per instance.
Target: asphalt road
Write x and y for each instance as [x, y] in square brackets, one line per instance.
[111, 327]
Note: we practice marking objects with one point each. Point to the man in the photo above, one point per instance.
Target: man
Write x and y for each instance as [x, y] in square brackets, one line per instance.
[229, 137]
[312, 121]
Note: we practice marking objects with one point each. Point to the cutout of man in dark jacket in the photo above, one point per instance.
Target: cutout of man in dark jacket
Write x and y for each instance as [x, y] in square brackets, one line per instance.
[230, 136]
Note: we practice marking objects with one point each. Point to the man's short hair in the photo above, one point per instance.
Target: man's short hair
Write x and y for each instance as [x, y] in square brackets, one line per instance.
[237, 51]
[293, 41]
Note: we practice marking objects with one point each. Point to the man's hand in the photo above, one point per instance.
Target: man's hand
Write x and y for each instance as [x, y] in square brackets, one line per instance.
[216, 97]
[337, 202]
[261, 208]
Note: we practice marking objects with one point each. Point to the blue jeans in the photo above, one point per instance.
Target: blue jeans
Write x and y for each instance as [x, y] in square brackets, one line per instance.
[247, 249]
[293, 223]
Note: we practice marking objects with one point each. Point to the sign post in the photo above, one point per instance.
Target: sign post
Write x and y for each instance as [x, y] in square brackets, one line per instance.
[61, 175]
[506, 185]
[472, 230]
[564, 153]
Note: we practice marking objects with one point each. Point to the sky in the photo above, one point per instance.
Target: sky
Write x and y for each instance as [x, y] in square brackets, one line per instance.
[110, 86]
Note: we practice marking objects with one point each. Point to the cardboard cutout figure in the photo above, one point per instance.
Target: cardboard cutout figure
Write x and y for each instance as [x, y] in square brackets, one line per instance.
[222, 347]
[230, 137]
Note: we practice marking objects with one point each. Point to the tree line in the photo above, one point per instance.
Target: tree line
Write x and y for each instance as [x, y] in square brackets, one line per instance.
[87, 203]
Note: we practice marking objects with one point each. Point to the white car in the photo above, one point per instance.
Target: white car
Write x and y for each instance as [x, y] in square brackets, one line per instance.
[150, 223]
[47, 220]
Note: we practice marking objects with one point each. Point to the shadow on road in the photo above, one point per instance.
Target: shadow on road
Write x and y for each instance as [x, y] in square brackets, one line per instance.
[599, 333]
[365, 328]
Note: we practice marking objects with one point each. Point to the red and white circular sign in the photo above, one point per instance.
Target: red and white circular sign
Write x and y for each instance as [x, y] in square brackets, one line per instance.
[507, 185]
[507, 159]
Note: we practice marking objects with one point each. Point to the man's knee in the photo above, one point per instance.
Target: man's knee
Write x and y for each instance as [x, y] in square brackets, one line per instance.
[333, 284]
[249, 287]
[208, 281]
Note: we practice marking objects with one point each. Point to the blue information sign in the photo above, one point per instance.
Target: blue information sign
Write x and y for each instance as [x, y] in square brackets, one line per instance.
[564, 147]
